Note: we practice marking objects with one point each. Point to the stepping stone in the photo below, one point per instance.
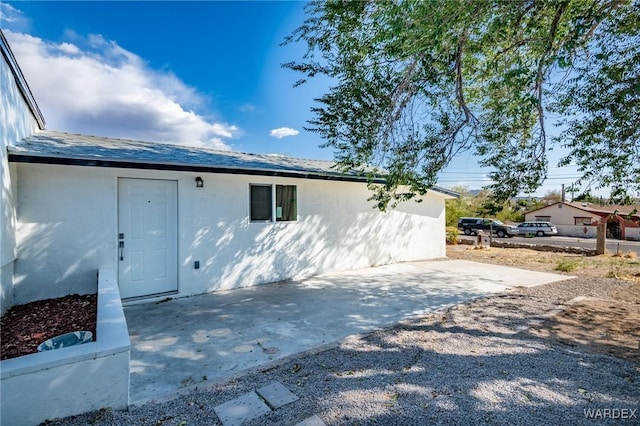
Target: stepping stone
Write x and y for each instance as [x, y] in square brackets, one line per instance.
[237, 411]
[276, 395]
[312, 421]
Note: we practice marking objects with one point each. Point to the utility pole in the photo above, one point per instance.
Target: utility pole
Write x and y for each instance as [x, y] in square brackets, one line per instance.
[572, 191]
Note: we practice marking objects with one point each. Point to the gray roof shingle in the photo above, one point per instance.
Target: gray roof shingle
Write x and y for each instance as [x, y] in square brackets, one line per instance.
[74, 149]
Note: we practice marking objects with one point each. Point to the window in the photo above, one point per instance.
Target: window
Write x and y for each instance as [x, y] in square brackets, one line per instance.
[543, 218]
[286, 203]
[262, 203]
[582, 220]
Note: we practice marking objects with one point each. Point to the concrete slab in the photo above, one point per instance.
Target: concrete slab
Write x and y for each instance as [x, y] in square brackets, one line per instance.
[239, 410]
[312, 421]
[276, 395]
[186, 341]
[507, 276]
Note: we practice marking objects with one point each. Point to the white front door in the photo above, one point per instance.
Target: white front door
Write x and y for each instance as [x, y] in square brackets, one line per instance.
[147, 237]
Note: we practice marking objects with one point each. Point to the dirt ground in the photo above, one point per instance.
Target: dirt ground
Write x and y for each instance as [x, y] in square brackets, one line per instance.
[610, 326]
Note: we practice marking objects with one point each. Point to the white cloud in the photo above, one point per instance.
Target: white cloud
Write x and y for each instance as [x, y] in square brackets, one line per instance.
[9, 13]
[69, 48]
[91, 85]
[282, 132]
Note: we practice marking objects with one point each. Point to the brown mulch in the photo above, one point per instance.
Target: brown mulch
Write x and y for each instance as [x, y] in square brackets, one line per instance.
[24, 327]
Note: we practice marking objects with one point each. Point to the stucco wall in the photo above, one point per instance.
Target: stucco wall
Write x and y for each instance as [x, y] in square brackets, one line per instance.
[67, 228]
[581, 231]
[632, 234]
[561, 214]
[16, 122]
[65, 231]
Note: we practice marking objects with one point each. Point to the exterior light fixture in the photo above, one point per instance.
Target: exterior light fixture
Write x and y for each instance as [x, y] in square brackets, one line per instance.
[199, 182]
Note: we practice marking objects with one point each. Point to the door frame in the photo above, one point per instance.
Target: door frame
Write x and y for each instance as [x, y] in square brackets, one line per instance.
[150, 296]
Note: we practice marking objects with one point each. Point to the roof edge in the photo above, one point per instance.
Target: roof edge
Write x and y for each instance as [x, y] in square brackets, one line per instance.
[17, 157]
[21, 81]
[445, 191]
[560, 202]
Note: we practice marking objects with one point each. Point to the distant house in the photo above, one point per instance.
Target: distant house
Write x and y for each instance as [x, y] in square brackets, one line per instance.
[177, 221]
[579, 219]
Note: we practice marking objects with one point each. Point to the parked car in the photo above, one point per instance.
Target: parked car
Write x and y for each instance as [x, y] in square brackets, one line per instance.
[500, 229]
[464, 221]
[539, 229]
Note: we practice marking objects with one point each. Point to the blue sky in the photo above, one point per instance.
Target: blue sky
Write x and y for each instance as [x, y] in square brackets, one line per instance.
[203, 73]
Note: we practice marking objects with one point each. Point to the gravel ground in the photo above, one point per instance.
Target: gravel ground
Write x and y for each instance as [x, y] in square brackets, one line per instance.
[476, 363]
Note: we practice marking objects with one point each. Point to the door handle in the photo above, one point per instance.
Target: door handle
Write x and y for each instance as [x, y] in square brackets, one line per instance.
[121, 250]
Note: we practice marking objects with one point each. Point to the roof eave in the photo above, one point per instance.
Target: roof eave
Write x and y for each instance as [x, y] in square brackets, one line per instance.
[447, 192]
[16, 156]
[28, 157]
[21, 81]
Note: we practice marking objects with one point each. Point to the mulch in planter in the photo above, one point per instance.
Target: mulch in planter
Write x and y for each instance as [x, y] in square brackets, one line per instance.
[24, 327]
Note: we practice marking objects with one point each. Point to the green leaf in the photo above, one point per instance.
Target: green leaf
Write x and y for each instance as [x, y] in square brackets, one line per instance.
[416, 83]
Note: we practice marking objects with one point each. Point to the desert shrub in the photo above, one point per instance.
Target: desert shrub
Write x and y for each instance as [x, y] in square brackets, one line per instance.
[617, 272]
[452, 235]
[566, 265]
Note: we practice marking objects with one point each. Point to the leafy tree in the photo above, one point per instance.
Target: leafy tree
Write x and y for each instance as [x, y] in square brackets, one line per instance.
[480, 205]
[417, 82]
[601, 105]
[490, 208]
[586, 197]
[509, 213]
[552, 196]
[623, 201]
[459, 207]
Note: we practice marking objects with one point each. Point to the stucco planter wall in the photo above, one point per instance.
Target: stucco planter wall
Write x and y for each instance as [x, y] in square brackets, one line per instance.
[73, 380]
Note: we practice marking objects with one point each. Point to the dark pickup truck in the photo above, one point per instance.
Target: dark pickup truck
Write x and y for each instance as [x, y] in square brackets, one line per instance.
[500, 229]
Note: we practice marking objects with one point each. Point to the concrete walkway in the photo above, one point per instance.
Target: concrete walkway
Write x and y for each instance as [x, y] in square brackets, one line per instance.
[186, 341]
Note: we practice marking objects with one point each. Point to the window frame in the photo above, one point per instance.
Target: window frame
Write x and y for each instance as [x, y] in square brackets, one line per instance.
[579, 220]
[273, 205]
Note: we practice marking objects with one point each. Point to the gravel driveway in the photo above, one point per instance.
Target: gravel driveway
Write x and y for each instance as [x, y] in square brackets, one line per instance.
[476, 363]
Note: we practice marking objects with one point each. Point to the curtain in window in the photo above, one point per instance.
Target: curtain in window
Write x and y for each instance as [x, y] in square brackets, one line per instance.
[286, 203]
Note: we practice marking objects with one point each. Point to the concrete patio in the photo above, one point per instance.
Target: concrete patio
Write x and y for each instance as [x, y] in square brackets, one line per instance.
[182, 342]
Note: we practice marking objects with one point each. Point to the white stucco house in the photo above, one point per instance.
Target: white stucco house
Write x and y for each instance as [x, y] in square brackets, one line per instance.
[177, 221]
[579, 219]
[136, 221]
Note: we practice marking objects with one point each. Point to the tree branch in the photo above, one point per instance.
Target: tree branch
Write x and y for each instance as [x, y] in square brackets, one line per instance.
[540, 74]
[459, 82]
